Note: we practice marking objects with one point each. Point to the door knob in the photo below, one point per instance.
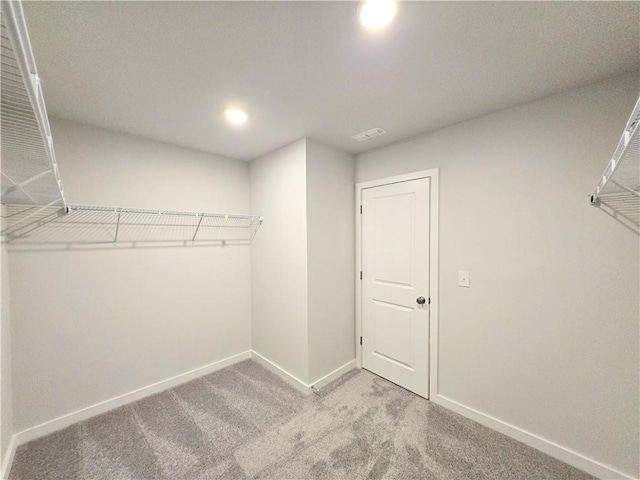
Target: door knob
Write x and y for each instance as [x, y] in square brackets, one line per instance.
[420, 300]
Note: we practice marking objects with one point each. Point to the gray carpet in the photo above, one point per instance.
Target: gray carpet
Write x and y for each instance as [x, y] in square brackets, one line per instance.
[244, 422]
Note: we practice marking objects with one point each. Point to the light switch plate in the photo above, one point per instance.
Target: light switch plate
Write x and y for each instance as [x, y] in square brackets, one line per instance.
[463, 279]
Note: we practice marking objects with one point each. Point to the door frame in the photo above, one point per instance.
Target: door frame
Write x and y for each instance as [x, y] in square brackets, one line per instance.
[434, 176]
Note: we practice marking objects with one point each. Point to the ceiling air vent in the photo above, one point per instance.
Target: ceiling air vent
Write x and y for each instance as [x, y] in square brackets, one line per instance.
[374, 132]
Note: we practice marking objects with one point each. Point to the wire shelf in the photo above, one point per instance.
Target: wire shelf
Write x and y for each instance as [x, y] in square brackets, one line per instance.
[34, 207]
[80, 224]
[620, 182]
[29, 172]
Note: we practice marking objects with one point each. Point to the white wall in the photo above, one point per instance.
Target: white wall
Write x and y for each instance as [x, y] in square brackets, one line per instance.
[279, 259]
[546, 338]
[6, 407]
[302, 259]
[331, 259]
[88, 325]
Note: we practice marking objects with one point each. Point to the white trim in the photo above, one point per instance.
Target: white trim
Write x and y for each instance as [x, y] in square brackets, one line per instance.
[69, 419]
[547, 446]
[551, 448]
[295, 381]
[83, 414]
[562, 453]
[281, 372]
[434, 267]
[330, 377]
[434, 282]
[430, 173]
[358, 249]
[8, 457]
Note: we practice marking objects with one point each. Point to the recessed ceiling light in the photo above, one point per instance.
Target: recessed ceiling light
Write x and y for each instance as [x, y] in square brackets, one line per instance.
[236, 116]
[377, 14]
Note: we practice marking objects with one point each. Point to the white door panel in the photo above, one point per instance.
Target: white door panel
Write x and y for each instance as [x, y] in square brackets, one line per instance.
[391, 332]
[395, 264]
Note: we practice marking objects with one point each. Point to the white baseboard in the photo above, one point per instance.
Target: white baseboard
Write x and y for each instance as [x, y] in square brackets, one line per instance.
[562, 453]
[281, 372]
[295, 381]
[338, 372]
[550, 448]
[8, 458]
[69, 419]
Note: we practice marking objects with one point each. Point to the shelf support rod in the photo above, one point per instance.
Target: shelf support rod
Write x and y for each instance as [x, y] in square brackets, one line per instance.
[18, 186]
[197, 228]
[115, 240]
[255, 229]
[23, 191]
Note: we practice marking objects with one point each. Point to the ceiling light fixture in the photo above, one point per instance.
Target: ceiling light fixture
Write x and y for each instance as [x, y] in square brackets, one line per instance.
[377, 14]
[236, 116]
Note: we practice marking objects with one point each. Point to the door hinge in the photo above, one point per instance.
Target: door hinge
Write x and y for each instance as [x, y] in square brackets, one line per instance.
[360, 274]
[360, 340]
[360, 209]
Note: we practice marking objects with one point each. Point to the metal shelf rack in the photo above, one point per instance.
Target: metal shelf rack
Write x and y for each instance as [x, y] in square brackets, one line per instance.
[29, 170]
[35, 210]
[619, 185]
[82, 224]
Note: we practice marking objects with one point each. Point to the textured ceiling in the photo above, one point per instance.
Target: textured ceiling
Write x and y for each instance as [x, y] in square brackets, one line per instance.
[166, 70]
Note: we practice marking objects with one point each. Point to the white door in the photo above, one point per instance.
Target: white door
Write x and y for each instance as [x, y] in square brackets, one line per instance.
[395, 276]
